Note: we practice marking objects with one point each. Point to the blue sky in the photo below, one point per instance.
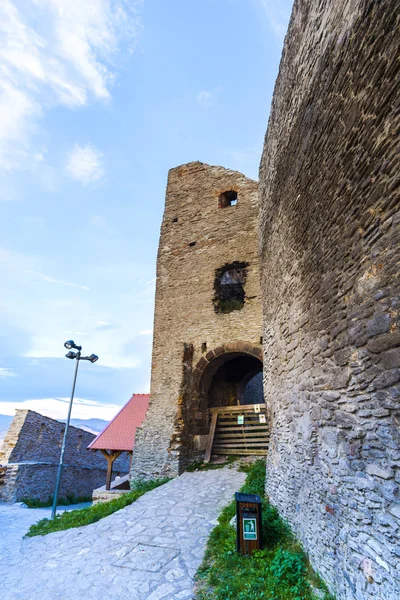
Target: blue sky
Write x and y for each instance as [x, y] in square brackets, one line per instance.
[98, 99]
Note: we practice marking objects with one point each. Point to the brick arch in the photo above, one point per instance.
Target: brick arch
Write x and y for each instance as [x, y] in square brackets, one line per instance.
[231, 348]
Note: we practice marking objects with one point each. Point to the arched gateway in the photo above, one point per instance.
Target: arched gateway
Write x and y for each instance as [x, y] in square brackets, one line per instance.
[229, 375]
[207, 346]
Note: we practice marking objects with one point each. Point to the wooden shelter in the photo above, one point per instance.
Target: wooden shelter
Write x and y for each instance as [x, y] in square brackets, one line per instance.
[119, 435]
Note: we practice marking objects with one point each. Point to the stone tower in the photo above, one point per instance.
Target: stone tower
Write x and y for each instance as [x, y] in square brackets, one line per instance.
[207, 325]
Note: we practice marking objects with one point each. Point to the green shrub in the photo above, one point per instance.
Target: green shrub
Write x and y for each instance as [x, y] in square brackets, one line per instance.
[92, 514]
[70, 499]
[280, 571]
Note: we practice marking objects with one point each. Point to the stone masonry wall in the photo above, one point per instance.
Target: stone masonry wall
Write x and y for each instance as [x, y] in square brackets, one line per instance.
[31, 452]
[197, 237]
[329, 248]
[37, 480]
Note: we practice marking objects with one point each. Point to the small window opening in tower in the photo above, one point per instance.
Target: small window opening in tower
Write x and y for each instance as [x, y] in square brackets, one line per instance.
[175, 220]
[192, 244]
[204, 347]
[229, 198]
[229, 285]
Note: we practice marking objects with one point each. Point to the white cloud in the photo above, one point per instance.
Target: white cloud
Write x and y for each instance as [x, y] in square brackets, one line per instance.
[208, 97]
[51, 347]
[49, 279]
[104, 325]
[84, 164]
[4, 372]
[278, 15]
[56, 53]
[82, 333]
[113, 337]
[146, 332]
[113, 361]
[57, 408]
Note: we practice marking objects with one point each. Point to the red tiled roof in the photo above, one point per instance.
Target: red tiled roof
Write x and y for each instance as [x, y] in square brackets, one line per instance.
[120, 432]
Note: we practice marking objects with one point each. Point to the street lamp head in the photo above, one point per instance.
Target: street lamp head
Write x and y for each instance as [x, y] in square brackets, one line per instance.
[71, 354]
[71, 344]
[93, 358]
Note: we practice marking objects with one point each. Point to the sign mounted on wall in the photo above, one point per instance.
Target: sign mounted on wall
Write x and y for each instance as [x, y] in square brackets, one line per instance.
[257, 408]
[240, 419]
[262, 418]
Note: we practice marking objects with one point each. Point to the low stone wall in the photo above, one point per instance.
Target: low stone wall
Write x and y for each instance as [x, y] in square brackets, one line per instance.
[103, 495]
[31, 453]
[37, 481]
[34, 437]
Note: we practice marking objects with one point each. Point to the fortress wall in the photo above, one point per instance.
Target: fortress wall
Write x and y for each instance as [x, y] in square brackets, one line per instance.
[329, 248]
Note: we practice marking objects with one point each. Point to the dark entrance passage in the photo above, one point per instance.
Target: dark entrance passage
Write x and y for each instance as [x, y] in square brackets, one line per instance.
[231, 406]
[236, 381]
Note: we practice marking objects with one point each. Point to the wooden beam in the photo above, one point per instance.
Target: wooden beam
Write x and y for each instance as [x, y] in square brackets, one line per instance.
[113, 455]
[240, 452]
[222, 434]
[210, 440]
[243, 408]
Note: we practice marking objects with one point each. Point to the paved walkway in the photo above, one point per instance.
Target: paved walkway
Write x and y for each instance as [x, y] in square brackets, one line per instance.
[149, 550]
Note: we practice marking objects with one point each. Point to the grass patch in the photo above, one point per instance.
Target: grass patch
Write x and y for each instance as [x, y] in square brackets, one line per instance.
[280, 571]
[200, 465]
[92, 514]
[70, 499]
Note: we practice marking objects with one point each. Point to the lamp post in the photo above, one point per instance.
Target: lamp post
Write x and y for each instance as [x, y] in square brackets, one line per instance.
[73, 356]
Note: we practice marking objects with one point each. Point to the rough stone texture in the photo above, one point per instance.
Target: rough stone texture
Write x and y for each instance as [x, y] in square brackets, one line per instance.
[103, 495]
[31, 452]
[37, 480]
[150, 549]
[190, 337]
[329, 246]
[119, 486]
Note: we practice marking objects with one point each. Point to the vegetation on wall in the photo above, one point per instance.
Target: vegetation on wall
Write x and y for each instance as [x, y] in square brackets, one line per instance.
[85, 516]
[280, 571]
[229, 282]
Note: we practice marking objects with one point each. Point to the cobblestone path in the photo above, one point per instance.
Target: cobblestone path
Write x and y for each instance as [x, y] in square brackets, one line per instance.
[149, 550]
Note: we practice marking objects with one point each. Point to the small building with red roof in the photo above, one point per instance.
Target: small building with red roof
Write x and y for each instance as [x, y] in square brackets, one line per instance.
[119, 435]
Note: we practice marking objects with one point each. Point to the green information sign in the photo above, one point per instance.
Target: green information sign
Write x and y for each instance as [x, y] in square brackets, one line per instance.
[249, 528]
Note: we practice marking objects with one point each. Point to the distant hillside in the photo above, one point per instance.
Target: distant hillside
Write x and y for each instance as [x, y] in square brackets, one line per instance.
[92, 425]
[5, 421]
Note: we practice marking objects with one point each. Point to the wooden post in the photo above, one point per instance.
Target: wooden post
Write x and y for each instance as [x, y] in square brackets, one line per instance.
[110, 459]
[130, 461]
[210, 440]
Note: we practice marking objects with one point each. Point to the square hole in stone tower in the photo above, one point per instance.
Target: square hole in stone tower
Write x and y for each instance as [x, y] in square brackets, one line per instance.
[229, 198]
